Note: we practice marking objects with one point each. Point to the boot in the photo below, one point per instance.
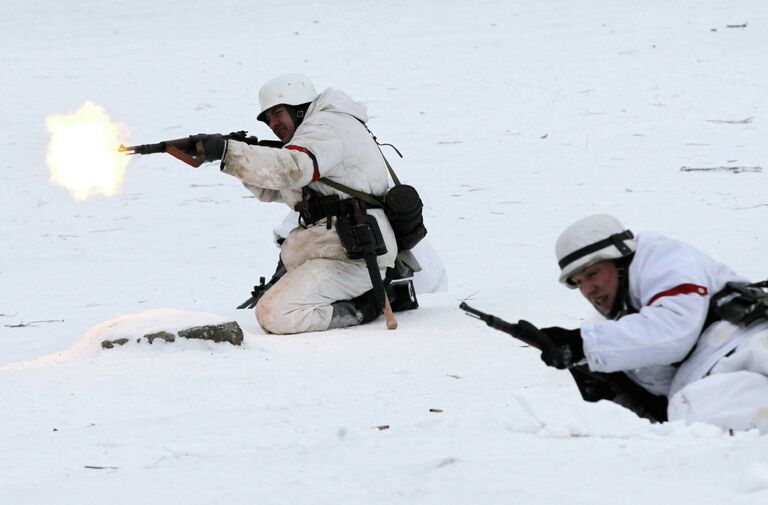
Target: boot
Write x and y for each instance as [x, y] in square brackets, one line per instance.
[360, 310]
[344, 314]
[367, 306]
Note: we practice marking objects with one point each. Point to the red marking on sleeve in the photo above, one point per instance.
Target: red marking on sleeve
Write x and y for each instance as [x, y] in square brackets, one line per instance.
[316, 174]
[682, 289]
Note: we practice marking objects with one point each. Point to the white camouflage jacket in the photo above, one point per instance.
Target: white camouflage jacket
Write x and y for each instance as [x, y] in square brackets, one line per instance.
[670, 283]
[331, 142]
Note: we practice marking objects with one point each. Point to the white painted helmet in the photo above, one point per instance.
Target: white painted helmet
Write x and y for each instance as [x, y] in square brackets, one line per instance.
[288, 89]
[590, 240]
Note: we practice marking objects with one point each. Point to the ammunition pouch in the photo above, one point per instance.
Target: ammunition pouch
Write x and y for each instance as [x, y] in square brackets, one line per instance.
[401, 205]
[741, 303]
[315, 208]
[403, 208]
[359, 239]
[359, 233]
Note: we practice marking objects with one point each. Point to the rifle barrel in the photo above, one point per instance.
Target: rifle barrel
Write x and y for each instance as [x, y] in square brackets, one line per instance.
[492, 321]
[189, 142]
[466, 308]
[526, 333]
[143, 148]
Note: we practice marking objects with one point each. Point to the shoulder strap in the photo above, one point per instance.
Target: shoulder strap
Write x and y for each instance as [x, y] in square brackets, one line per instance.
[386, 161]
[367, 198]
[389, 167]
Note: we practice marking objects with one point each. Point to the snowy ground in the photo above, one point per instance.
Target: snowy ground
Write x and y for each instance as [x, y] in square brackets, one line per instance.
[515, 119]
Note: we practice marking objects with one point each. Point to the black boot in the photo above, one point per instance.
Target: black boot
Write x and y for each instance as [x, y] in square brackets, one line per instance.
[344, 314]
[364, 309]
[360, 310]
[367, 306]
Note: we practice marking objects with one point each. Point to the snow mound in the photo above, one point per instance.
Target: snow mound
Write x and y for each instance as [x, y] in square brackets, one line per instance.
[128, 333]
[134, 328]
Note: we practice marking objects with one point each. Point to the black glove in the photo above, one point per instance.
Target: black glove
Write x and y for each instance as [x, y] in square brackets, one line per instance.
[213, 147]
[569, 344]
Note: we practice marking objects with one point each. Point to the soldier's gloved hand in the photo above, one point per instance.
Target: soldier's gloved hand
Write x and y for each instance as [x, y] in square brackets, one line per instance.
[213, 147]
[570, 347]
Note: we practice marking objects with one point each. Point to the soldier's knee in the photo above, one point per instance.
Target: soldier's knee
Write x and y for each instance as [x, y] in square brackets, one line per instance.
[276, 316]
[270, 317]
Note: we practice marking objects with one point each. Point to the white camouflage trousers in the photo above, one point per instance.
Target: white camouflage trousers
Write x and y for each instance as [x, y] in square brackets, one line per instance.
[301, 300]
[734, 394]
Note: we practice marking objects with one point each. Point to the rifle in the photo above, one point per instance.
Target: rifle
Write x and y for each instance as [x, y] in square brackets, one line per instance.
[262, 287]
[593, 386]
[523, 330]
[190, 149]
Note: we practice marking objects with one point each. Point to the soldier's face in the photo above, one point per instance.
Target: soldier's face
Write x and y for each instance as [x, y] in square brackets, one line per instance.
[280, 122]
[599, 284]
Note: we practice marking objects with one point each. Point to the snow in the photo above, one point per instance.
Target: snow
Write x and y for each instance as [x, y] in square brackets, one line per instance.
[515, 119]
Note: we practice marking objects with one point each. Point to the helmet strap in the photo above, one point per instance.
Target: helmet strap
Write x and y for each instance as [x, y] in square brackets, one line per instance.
[617, 240]
[298, 113]
[621, 304]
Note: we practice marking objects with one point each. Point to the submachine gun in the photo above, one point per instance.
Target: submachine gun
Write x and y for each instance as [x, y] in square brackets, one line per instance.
[593, 386]
[190, 149]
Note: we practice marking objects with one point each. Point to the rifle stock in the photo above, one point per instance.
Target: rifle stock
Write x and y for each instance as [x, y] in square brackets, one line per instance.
[190, 149]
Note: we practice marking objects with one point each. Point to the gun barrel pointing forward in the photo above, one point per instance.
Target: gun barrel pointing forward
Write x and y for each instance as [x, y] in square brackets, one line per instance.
[492, 321]
[522, 331]
[472, 312]
[143, 149]
[190, 149]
